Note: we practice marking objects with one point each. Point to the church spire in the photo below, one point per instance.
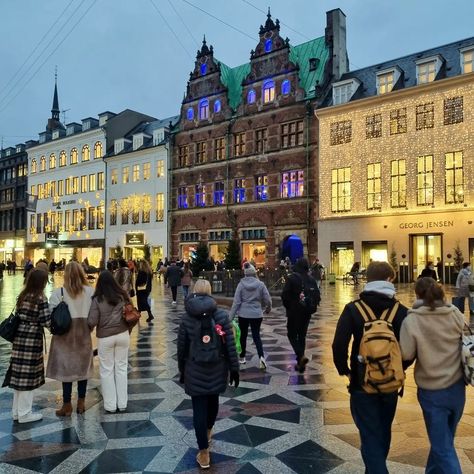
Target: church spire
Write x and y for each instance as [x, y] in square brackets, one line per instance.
[55, 110]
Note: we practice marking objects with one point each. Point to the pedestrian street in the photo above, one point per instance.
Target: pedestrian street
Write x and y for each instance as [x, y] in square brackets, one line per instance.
[276, 421]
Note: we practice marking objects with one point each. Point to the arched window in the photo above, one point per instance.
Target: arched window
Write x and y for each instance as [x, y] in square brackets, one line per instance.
[217, 106]
[34, 166]
[97, 150]
[62, 158]
[86, 153]
[251, 97]
[203, 69]
[190, 114]
[203, 109]
[43, 163]
[286, 87]
[74, 156]
[52, 161]
[268, 45]
[268, 91]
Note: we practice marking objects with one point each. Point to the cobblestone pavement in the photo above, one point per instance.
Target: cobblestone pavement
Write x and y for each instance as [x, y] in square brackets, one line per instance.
[276, 421]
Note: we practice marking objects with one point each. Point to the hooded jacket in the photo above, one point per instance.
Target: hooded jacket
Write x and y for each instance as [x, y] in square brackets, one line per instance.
[462, 282]
[205, 379]
[251, 297]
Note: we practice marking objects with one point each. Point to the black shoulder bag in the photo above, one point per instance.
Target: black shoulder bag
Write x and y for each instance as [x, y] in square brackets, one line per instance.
[9, 326]
[60, 318]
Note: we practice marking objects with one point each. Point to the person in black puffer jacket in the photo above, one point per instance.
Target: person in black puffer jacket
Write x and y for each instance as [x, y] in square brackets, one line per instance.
[204, 381]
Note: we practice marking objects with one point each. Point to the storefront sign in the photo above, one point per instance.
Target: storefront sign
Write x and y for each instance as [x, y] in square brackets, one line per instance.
[426, 224]
[135, 239]
[65, 203]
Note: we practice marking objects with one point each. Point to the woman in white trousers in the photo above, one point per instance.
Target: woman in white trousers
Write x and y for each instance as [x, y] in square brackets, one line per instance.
[113, 340]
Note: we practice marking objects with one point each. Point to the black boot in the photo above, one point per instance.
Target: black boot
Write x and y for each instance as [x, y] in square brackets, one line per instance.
[150, 317]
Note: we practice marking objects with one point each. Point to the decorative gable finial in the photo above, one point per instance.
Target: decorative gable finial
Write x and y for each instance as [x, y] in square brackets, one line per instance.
[270, 25]
[205, 50]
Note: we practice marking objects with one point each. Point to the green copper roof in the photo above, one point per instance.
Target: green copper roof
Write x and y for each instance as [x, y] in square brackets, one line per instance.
[232, 77]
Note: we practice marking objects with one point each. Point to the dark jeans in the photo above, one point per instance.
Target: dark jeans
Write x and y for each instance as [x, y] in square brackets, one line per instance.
[442, 410]
[205, 408]
[373, 415]
[67, 390]
[185, 291]
[297, 326]
[174, 292]
[255, 324]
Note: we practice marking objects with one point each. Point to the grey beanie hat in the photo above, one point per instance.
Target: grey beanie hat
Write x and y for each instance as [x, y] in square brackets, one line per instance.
[249, 270]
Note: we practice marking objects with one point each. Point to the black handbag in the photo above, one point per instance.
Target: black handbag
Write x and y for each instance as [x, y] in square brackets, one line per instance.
[9, 326]
[60, 318]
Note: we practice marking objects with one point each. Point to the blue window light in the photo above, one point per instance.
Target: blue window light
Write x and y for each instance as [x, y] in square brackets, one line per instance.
[219, 193]
[286, 87]
[268, 45]
[261, 187]
[203, 69]
[190, 114]
[239, 190]
[268, 92]
[251, 97]
[217, 106]
[200, 196]
[203, 109]
[182, 198]
[292, 184]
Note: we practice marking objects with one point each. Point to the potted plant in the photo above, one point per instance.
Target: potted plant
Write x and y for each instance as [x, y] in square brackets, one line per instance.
[458, 260]
[394, 262]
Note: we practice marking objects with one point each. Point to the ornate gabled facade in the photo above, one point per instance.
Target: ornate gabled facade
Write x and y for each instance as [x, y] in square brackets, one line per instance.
[244, 156]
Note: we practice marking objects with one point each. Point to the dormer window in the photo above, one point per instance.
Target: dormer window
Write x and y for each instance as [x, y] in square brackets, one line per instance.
[251, 97]
[190, 114]
[217, 106]
[343, 91]
[313, 64]
[204, 109]
[387, 79]
[427, 69]
[286, 87]
[203, 69]
[268, 92]
[467, 60]
[268, 45]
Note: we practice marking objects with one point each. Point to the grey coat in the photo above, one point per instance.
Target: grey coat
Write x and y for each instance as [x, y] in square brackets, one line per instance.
[205, 379]
[251, 297]
[174, 274]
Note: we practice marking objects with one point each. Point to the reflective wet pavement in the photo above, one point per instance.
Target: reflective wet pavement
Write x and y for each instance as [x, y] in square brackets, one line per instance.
[275, 422]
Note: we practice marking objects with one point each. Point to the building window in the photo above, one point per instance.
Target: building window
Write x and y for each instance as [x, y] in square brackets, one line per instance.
[201, 152]
[125, 175]
[83, 219]
[219, 199]
[113, 212]
[39, 220]
[183, 156]
[92, 214]
[52, 161]
[251, 97]
[136, 173]
[286, 87]
[453, 110]
[100, 181]
[292, 134]
[425, 179]
[75, 184]
[43, 163]
[343, 91]
[217, 106]
[114, 176]
[160, 169]
[62, 158]
[86, 153]
[60, 187]
[189, 237]
[160, 207]
[341, 190]
[68, 186]
[219, 235]
[135, 215]
[33, 190]
[190, 114]
[467, 61]
[239, 190]
[261, 140]
[124, 207]
[203, 109]
[100, 217]
[203, 69]
[374, 185]
[292, 184]
[34, 166]
[373, 126]
[261, 187]
[268, 92]
[341, 132]
[268, 45]
[239, 144]
[84, 184]
[385, 82]
[97, 150]
[426, 72]
[219, 148]
[92, 183]
[454, 177]
[200, 195]
[425, 116]
[73, 156]
[183, 197]
[146, 210]
[398, 183]
[398, 121]
[146, 171]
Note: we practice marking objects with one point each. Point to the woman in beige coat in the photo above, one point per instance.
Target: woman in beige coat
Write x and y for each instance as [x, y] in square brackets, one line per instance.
[70, 356]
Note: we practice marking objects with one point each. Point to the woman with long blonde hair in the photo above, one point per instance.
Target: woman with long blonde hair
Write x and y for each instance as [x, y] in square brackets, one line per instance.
[70, 357]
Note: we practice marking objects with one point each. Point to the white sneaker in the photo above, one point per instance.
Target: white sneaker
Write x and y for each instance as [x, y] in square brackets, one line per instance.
[263, 363]
[174, 302]
[242, 360]
[15, 417]
[30, 417]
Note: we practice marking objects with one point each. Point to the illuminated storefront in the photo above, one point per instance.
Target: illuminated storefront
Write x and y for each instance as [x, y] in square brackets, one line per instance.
[13, 250]
[254, 246]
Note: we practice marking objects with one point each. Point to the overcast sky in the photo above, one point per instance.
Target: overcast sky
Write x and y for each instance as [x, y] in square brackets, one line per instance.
[117, 54]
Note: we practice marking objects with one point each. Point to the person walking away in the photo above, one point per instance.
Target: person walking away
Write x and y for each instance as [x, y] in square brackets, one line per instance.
[298, 313]
[143, 288]
[439, 269]
[206, 356]
[317, 272]
[186, 279]
[2, 269]
[462, 288]
[173, 276]
[70, 355]
[250, 299]
[52, 267]
[26, 370]
[429, 271]
[431, 333]
[113, 340]
[373, 413]
[124, 277]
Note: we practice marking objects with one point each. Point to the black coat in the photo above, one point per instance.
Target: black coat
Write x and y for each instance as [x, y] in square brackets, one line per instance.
[292, 290]
[174, 274]
[205, 379]
[143, 278]
[428, 272]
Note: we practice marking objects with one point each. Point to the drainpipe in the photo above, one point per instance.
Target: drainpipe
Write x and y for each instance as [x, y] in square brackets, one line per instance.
[168, 196]
[308, 194]
[230, 217]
